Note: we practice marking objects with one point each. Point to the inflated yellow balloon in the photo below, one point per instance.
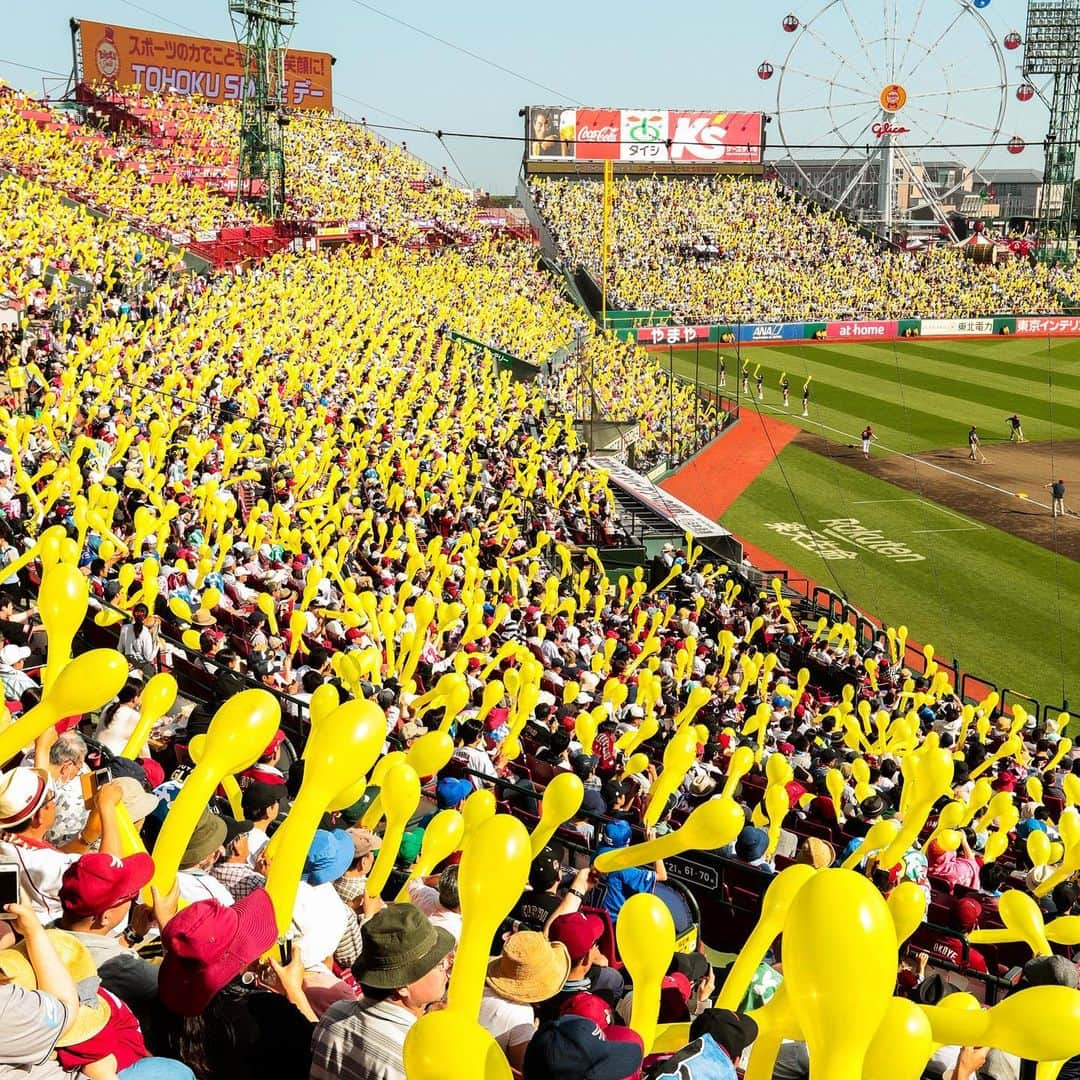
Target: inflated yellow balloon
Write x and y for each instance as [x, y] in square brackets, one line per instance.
[180, 608]
[561, 801]
[442, 838]
[444, 1045]
[635, 764]
[211, 598]
[157, 699]
[585, 728]
[878, 837]
[570, 693]
[228, 783]
[475, 810]
[430, 753]
[902, 1045]
[297, 627]
[907, 906]
[839, 948]
[742, 761]
[1041, 1023]
[400, 796]
[645, 933]
[83, 686]
[775, 905]
[236, 738]
[373, 814]
[346, 744]
[834, 782]
[486, 899]
[997, 844]
[323, 702]
[62, 603]
[1023, 922]
[1038, 847]
[1033, 786]
[679, 755]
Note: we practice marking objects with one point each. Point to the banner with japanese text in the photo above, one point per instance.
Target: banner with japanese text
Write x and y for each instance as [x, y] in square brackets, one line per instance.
[158, 63]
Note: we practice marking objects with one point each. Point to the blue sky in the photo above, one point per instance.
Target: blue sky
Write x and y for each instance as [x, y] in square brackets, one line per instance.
[691, 54]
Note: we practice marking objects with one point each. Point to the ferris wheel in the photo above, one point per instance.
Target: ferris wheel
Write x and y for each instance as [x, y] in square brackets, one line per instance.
[889, 111]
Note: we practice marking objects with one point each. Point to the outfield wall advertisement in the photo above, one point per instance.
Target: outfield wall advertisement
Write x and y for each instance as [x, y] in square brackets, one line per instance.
[669, 136]
[160, 63]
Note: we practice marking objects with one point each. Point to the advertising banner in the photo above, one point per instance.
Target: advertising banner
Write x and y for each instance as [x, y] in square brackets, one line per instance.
[162, 63]
[1048, 326]
[956, 327]
[671, 136]
[869, 330]
[671, 335]
[761, 332]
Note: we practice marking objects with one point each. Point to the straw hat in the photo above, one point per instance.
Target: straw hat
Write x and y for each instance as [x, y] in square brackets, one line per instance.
[94, 1011]
[530, 968]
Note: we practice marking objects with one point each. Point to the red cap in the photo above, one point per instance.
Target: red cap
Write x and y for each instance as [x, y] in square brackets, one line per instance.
[98, 882]
[966, 913]
[591, 1006]
[207, 945]
[578, 932]
[275, 742]
[674, 994]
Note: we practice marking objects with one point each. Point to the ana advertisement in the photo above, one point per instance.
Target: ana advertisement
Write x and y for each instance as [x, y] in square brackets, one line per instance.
[172, 63]
[759, 332]
[673, 136]
[870, 330]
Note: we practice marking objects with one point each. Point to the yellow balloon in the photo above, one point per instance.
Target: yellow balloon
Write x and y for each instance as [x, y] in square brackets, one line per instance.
[192, 639]
[341, 748]
[445, 1045]
[211, 598]
[238, 734]
[902, 1045]
[400, 795]
[742, 761]
[323, 702]
[84, 685]
[561, 801]
[1034, 788]
[775, 905]
[585, 728]
[265, 603]
[571, 690]
[486, 899]
[645, 933]
[62, 603]
[997, 844]
[180, 608]
[839, 948]
[907, 906]
[635, 764]
[442, 838]
[158, 697]
[476, 809]
[430, 753]
[1038, 847]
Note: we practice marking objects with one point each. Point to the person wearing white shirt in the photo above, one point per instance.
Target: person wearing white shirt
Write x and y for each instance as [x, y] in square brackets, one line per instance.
[442, 904]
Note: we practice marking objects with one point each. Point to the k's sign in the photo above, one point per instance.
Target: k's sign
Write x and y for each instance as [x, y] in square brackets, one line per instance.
[201, 67]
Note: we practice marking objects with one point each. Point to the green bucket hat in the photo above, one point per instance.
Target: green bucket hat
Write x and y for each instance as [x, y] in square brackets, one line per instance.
[399, 946]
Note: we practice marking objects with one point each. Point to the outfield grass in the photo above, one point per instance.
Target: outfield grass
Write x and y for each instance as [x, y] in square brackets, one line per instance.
[1007, 609]
[921, 395]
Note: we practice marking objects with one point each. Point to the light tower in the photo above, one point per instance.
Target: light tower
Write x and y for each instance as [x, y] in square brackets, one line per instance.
[1052, 47]
[262, 29]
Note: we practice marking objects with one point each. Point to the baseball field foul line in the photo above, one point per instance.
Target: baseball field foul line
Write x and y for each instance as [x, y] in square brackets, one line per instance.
[912, 457]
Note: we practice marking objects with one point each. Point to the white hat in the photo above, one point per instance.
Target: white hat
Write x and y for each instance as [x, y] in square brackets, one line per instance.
[12, 654]
[22, 791]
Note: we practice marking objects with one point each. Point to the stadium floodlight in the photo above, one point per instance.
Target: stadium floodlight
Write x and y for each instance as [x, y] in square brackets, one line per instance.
[262, 29]
[1052, 48]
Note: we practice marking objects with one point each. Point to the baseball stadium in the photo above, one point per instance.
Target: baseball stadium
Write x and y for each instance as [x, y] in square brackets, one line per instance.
[624, 627]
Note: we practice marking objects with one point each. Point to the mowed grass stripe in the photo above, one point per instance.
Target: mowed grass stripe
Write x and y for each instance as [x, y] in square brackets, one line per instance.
[1012, 359]
[930, 408]
[1004, 607]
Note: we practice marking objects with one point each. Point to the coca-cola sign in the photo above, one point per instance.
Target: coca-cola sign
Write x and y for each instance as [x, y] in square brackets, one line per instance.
[597, 134]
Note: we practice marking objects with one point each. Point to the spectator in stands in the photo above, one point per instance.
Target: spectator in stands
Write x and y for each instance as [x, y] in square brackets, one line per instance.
[529, 970]
[541, 899]
[622, 884]
[402, 971]
[261, 804]
[964, 917]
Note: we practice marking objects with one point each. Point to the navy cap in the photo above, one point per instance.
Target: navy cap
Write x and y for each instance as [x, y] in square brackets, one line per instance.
[574, 1048]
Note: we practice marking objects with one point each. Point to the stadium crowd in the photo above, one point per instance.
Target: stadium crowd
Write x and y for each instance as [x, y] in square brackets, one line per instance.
[715, 248]
[295, 481]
